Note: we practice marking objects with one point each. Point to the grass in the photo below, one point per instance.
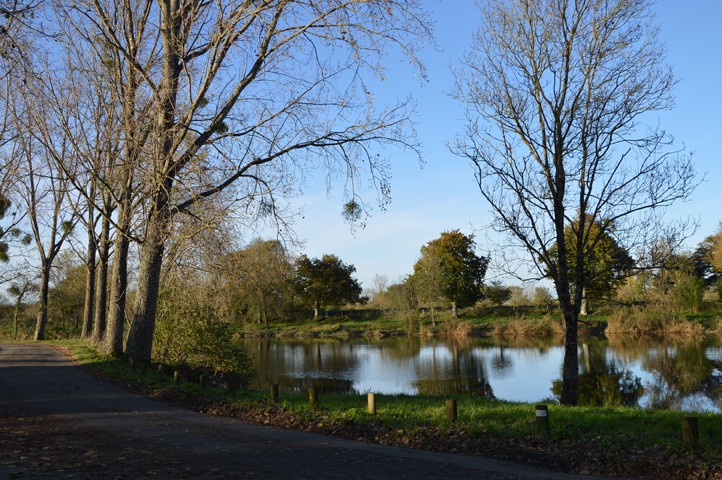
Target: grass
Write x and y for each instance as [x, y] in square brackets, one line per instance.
[628, 441]
[504, 322]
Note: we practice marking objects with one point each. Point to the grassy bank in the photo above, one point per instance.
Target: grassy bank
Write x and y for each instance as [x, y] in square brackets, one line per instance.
[616, 441]
[471, 322]
[505, 322]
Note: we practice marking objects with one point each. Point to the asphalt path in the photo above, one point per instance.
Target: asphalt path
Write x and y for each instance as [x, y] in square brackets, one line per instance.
[56, 421]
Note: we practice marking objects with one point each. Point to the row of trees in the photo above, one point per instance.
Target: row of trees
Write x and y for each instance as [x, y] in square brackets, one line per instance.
[263, 281]
[144, 123]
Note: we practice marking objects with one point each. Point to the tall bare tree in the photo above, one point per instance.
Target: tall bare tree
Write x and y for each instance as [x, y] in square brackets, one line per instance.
[44, 191]
[556, 91]
[117, 126]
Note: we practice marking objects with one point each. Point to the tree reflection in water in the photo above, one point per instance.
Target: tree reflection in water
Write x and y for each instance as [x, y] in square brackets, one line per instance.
[454, 370]
[682, 373]
[602, 382]
[657, 373]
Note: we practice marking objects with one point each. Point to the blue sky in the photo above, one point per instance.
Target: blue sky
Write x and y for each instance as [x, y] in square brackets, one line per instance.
[443, 195]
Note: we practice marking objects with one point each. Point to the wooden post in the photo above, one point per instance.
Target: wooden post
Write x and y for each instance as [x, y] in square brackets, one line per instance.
[541, 413]
[202, 380]
[451, 409]
[176, 377]
[690, 431]
[312, 396]
[274, 392]
[372, 403]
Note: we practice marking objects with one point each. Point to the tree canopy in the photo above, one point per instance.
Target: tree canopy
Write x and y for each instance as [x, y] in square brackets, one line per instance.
[450, 267]
[326, 282]
[260, 275]
[237, 100]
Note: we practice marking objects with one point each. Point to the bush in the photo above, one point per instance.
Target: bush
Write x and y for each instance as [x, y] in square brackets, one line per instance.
[196, 341]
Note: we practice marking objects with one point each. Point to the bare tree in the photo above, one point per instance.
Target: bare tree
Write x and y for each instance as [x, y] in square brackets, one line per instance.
[556, 91]
[44, 191]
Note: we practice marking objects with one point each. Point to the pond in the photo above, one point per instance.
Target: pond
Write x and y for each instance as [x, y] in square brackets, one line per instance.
[684, 375]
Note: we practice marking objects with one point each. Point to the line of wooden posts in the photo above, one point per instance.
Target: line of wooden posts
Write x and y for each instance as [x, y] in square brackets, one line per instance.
[690, 427]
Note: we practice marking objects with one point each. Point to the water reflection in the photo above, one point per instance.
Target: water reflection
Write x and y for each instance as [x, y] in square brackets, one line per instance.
[619, 371]
[604, 380]
[450, 369]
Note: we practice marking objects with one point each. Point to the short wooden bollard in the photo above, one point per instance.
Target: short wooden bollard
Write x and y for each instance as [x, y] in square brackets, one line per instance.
[690, 431]
[451, 409]
[312, 396]
[541, 412]
[202, 380]
[176, 377]
[274, 392]
[372, 403]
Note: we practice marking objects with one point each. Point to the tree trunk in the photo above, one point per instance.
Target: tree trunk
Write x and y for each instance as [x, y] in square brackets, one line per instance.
[101, 284]
[88, 307]
[113, 344]
[140, 338]
[570, 369]
[18, 306]
[42, 318]
[454, 310]
[315, 310]
[585, 303]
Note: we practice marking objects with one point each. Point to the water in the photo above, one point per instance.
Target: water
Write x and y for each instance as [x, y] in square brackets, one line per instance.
[684, 375]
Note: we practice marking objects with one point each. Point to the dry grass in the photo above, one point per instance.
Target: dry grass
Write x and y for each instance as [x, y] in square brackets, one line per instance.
[637, 324]
[529, 327]
[456, 328]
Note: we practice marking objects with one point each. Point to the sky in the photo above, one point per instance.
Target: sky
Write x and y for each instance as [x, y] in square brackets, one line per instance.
[443, 195]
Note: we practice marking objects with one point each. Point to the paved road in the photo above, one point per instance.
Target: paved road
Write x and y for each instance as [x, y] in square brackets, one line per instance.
[58, 422]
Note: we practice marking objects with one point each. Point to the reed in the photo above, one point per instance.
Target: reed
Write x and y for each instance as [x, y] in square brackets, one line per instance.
[642, 323]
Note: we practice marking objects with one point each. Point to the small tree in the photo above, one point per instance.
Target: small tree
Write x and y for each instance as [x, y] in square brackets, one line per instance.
[428, 283]
[450, 267]
[325, 282]
[497, 293]
[261, 275]
[20, 290]
[401, 296]
[678, 288]
[542, 297]
[67, 295]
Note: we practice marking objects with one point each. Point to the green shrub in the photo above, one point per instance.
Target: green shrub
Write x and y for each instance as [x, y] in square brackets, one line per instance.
[195, 340]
